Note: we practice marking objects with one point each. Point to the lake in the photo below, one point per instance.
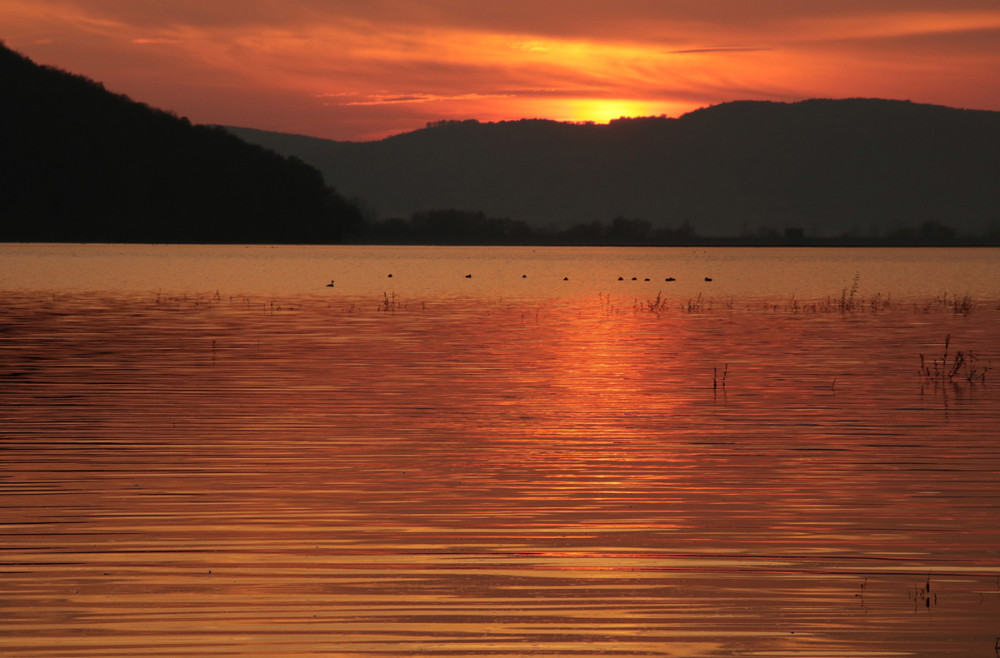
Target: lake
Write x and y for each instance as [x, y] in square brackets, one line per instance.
[499, 451]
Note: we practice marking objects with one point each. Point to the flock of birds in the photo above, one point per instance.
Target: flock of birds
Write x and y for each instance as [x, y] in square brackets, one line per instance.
[565, 278]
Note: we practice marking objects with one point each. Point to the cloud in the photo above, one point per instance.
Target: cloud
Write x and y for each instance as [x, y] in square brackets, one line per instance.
[352, 100]
[352, 65]
[159, 41]
[694, 51]
[580, 19]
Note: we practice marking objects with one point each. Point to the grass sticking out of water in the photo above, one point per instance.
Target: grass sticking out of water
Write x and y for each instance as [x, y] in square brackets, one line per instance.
[716, 382]
[849, 303]
[658, 305]
[389, 303]
[962, 365]
[696, 305]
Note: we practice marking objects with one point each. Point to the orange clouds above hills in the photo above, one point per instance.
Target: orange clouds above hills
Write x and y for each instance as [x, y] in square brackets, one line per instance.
[345, 69]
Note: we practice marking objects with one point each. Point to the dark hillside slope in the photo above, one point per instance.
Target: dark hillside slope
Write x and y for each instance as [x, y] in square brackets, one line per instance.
[78, 163]
[830, 167]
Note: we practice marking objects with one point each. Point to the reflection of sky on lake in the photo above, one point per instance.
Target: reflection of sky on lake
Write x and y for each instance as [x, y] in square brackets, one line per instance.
[422, 274]
[310, 474]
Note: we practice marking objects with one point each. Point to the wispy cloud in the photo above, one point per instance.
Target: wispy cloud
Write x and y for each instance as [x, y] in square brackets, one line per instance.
[350, 100]
[343, 68]
[723, 49]
[154, 42]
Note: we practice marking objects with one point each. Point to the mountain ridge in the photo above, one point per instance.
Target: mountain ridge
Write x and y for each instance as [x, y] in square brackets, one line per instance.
[80, 163]
[828, 167]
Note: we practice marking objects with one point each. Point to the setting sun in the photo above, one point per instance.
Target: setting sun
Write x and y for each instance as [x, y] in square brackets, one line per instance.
[600, 110]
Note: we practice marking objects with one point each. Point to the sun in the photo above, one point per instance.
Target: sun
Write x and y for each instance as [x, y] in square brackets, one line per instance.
[603, 110]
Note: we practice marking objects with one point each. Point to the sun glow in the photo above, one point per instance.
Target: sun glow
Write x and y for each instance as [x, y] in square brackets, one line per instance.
[367, 70]
[603, 110]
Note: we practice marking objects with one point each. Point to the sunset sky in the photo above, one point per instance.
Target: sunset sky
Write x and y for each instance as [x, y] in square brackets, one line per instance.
[364, 69]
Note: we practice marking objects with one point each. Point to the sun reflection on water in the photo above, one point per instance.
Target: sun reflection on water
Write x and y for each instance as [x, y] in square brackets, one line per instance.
[319, 476]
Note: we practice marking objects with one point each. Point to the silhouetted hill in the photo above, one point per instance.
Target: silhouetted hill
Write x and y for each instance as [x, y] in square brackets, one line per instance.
[78, 163]
[830, 167]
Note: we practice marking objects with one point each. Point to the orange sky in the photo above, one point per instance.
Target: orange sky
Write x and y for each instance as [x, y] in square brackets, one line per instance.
[363, 69]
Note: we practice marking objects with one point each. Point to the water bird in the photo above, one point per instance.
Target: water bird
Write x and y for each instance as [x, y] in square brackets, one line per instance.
[565, 278]
[390, 276]
[468, 276]
[330, 285]
[708, 278]
[635, 278]
[646, 279]
[621, 278]
[524, 276]
[670, 278]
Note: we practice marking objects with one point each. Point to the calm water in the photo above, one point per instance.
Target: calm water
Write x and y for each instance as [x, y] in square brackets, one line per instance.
[206, 451]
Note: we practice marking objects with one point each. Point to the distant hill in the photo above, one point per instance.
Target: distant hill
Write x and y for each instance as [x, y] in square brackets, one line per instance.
[78, 163]
[829, 167]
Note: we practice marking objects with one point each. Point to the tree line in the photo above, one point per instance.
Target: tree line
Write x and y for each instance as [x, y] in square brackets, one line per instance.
[463, 227]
